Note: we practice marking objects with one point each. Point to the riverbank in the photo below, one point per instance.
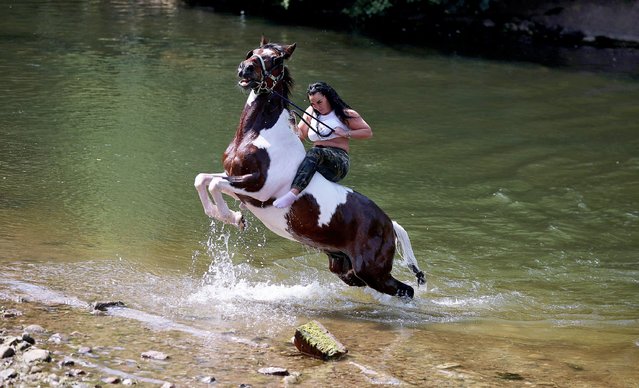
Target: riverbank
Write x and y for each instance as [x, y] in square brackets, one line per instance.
[64, 345]
[591, 35]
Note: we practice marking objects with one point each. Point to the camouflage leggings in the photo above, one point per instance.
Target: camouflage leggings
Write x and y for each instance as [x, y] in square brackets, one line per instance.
[332, 162]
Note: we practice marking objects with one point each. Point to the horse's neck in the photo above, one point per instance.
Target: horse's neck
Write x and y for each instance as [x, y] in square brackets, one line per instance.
[261, 112]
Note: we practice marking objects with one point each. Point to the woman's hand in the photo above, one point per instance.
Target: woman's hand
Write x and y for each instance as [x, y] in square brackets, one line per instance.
[343, 132]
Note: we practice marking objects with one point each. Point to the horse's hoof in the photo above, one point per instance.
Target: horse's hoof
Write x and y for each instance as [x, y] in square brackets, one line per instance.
[406, 293]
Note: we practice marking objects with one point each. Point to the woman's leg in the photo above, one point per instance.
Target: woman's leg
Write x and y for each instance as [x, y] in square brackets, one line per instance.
[334, 164]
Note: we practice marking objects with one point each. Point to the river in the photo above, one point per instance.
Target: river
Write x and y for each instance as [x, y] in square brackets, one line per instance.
[517, 183]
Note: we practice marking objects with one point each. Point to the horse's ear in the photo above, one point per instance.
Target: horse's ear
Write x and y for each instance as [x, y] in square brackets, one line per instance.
[288, 50]
[263, 41]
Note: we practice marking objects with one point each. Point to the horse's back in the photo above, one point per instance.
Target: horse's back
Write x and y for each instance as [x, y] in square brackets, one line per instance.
[328, 216]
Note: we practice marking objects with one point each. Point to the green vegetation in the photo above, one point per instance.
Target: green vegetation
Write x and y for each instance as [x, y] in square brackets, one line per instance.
[315, 340]
[354, 11]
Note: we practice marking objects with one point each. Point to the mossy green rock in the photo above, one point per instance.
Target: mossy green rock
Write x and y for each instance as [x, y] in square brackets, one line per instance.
[314, 340]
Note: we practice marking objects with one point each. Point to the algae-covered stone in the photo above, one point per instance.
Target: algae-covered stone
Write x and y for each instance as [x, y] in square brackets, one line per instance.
[315, 340]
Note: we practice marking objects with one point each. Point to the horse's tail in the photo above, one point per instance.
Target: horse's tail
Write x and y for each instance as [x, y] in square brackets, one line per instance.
[406, 251]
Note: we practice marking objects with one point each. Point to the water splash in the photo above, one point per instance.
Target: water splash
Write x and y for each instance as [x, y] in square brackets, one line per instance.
[260, 298]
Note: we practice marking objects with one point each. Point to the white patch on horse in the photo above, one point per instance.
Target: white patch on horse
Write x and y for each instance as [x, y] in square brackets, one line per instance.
[274, 219]
[251, 98]
[277, 141]
[328, 195]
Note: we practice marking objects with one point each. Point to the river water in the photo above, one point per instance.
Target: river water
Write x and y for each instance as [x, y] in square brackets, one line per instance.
[518, 185]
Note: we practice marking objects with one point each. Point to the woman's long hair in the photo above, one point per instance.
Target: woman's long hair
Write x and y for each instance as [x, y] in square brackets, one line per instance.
[338, 105]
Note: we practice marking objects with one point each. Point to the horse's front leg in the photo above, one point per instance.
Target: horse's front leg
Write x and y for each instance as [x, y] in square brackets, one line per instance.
[201, 184]
[218, 185]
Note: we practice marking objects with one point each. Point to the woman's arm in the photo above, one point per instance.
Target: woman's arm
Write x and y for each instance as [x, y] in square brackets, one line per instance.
[302, 126]
[358, 128]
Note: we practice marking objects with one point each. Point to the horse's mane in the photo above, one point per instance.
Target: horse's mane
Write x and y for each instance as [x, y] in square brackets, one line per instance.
[287, 83]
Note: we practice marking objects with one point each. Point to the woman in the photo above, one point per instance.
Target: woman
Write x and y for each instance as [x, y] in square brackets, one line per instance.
[335, 124]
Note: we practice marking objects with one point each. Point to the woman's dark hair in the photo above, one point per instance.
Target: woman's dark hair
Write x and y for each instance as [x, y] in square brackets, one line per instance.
[333, 98]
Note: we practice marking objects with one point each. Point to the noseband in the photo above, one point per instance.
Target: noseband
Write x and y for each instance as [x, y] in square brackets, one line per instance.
[266, 75]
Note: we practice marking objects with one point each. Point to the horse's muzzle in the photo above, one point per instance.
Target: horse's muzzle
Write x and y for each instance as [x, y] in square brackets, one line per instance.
[248, 77]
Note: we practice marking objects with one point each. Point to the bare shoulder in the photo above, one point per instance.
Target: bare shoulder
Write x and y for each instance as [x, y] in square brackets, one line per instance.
[352, 113]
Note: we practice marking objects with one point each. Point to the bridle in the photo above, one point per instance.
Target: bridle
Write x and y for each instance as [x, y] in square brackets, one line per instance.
[263, 87]
[268, 75]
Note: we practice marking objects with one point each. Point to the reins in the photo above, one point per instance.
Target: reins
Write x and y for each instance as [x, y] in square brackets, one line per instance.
[301, 116]
[263, 88]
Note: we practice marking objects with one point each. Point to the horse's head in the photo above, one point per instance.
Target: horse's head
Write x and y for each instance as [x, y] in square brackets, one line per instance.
[264, 67]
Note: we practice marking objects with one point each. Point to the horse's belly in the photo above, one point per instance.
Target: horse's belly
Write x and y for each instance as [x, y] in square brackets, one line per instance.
[273, 218]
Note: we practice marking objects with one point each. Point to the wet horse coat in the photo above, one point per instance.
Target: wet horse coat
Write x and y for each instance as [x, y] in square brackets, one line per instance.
[259, 166]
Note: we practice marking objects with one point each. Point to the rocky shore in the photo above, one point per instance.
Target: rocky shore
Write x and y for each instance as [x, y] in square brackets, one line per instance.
[43, 345]
[67, 345]
[32, 355]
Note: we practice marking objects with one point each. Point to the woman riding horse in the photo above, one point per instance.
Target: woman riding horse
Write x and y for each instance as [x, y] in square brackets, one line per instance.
[260, 164]
[329, 123]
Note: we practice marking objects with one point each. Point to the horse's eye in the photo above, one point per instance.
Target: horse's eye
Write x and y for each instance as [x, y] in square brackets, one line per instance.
[249, 54]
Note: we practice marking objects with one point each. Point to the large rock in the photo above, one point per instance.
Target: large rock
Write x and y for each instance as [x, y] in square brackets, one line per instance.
[35, 355]
[315, 340]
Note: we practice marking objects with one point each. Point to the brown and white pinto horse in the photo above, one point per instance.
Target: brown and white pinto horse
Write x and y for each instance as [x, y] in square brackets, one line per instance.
[259, 166]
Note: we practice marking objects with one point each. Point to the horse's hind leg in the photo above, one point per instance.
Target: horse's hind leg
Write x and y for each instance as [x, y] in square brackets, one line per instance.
[374, 267]
[387, 284]
[340, 264]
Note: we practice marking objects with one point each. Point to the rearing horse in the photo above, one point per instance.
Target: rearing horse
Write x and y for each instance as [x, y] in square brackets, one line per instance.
[259, 166]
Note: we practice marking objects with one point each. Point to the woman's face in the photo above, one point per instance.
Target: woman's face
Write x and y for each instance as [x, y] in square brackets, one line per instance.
[320, 103]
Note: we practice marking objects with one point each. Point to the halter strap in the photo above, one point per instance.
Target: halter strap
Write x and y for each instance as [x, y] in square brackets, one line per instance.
[263, 87]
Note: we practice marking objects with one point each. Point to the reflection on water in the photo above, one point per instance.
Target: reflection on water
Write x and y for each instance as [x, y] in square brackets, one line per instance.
[517, 183]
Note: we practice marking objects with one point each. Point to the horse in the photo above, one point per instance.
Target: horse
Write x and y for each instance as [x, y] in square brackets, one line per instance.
[260, 163]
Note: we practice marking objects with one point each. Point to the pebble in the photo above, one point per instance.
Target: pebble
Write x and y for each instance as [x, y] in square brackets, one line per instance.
[8, 374]
[31, 329]
[155, 355]
[103, 306]
[6, 351]
[66, 362]
[207, 380]
[57, 338]
[11, 313]
[293, 378]
[111, 380]
[448, 365]
[75, 372]
[275, 371]
[27, 338]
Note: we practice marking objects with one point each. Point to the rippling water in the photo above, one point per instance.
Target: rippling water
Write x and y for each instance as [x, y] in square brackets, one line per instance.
[517, 183]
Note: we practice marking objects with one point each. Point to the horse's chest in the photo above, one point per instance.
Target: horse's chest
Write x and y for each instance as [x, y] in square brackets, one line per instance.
[247, 160]
[245, 157]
